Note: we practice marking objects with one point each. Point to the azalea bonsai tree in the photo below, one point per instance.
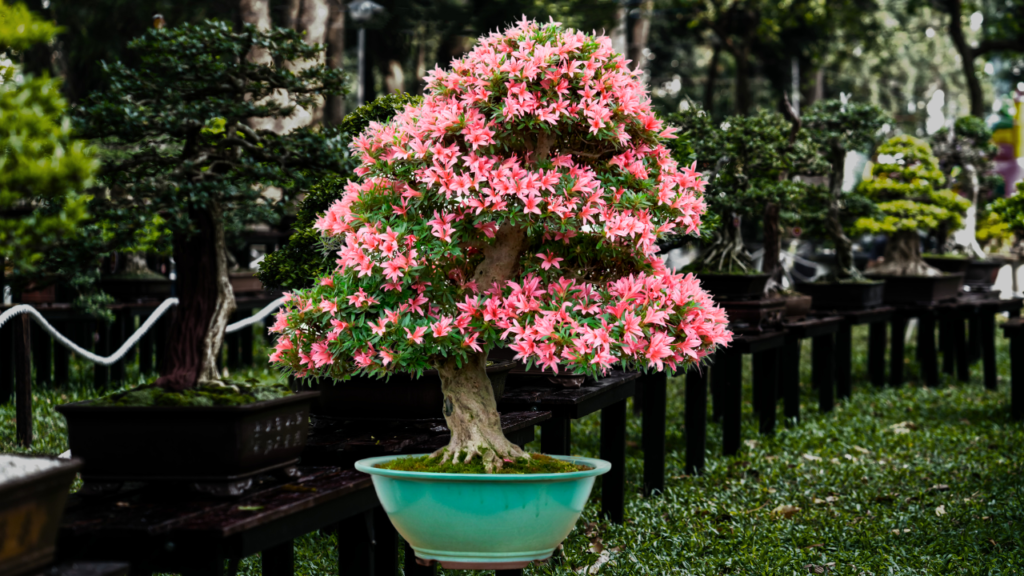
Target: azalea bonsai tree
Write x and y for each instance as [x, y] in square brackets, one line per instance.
[965, 155]
[837, 128]
[180, 145]
[906, 188]
[519, 204]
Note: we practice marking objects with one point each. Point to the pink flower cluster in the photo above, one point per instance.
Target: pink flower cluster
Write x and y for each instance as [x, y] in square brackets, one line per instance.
[541, 131]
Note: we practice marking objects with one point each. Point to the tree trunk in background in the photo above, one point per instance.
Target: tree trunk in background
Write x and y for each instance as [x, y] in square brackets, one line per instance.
[956, 32]
[965, 240]
[619, 35]
[742, 57]
[709, 87]
[421, 64]
[819, 86]
[336, 57]
[394, 78]
[311, 19]
[257, 13]
[770, 264]
[903, 257]
[845, 269]
[196, 286]
[641, 32]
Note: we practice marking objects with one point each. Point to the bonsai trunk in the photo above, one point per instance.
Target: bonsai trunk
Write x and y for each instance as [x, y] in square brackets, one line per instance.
[903, 257]
[770, 263]
[472, 415]
[727, 252]
[845, 270]
[965, 240]
[205, 303]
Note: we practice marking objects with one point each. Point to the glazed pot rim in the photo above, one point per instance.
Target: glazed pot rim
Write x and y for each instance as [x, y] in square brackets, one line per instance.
[82, 406]
[943, 276]
[64, 466]
[597, 468]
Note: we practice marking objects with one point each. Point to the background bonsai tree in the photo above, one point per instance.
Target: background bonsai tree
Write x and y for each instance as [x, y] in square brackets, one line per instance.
[750, 161]
[838, 128]
[905, 187]
[43, 170]
[518, 204]
[180, 146]
[965, 154]
[1010, 212]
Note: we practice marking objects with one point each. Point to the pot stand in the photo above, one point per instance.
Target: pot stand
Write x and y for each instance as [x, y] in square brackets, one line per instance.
[754, 316]
[824, 371]
[1013, 330]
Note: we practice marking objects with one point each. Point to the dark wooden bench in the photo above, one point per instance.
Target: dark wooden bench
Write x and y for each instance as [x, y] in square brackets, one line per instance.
[1013, 329]
[607, 395]
[86, 569]
[824, 369]
[877, 320]
[158, 529]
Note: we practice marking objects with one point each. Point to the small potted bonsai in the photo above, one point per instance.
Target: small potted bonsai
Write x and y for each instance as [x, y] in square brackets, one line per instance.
[179, 124]
[750, 161]
[905, 187]
[965, 155]
[1010, 213]
[519, 204]
[839, 128]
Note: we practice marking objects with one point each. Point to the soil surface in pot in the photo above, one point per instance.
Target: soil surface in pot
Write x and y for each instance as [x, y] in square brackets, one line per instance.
[535, 464]
[232, 394]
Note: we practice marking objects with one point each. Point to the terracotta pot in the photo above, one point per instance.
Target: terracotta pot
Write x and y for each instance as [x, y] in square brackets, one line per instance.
[798, 306]
[243, 282]
[46, 295]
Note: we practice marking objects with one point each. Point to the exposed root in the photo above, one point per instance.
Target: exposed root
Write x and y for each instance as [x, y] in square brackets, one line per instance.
[472, 416]
[903, 257]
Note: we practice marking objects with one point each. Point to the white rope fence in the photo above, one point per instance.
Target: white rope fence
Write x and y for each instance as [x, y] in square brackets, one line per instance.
[134, 338]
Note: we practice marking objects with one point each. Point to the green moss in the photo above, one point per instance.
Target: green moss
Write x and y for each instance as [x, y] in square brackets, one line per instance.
[535, 464]
[235, 394]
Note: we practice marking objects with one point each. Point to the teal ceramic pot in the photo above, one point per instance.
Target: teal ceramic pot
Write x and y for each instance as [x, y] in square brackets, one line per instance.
[483, 521]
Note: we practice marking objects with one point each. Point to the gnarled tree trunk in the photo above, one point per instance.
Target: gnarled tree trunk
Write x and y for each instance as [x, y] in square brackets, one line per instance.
[770, 262]
[472, 415]
[845, 271]
[965, 240]
[903, 257]
[726, 251]
[205, 303]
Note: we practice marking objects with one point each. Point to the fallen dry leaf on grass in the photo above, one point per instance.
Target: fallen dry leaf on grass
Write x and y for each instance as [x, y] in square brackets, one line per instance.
[811, 457]
[785, 510]
[861, 450]
[897, 531]
[903, 427]
[941, 510]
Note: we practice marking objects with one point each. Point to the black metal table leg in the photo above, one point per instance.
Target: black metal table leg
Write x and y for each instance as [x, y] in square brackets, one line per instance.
[695, 419]
[963, 368]
[653, 429]
[385, 545]
[556, 436]
[843, 362]
[279, 560]
[23, 379]
[1017, 377]
[355, 545]
[766, 384]
[823, 370]
[790, 375]
[928, 356]
[896, 352]
[613, 449]
[877, 339]
[731, 363]
[987, 336]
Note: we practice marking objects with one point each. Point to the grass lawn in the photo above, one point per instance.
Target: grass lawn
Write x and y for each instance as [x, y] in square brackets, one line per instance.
[896, 481]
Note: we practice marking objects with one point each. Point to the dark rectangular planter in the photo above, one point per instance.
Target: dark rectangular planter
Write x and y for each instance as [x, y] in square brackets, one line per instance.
[844, 296]
[30, 511]
[921, 290]
[981, 274]
[798, 306]
[194, 444]
[732, 287]
[402, 397]
[754, 316]
[951, 264]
